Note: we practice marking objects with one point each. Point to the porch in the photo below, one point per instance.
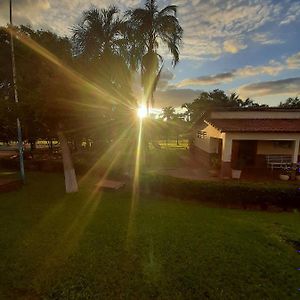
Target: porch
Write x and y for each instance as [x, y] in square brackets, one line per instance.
[259, 154]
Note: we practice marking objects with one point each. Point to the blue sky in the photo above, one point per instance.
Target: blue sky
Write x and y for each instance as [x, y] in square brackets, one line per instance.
[251, 47]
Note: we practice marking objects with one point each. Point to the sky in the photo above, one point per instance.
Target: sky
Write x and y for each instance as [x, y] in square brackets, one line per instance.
[251, 47]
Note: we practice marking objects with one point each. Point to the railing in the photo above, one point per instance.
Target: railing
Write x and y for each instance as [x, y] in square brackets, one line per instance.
[278, 161]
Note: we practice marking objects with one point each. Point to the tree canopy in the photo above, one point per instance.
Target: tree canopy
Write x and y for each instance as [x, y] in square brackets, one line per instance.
[216, 99]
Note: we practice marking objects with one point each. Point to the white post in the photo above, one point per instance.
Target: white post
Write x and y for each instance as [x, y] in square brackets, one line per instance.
[227, 149]
[296, 151]
[14, 75]
[226, 156]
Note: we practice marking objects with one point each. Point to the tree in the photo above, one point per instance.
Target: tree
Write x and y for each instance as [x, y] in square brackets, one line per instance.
[154, 27]
[46, 94]
[101, 52]
[168, 113]
[216, 99]
[290, 103]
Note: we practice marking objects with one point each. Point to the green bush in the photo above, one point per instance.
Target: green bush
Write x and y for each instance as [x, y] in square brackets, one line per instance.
[33, 165]
[228, 193]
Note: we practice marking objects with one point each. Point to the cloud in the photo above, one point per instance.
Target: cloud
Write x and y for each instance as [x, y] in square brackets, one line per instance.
[292, 14]
[24, 11]
[283, 86]
[233, 46]
[175, 97]
[165, 77]
[56, 15]
[272, 69]
[265, 39]
[207, 24]
[207, 80]
[212, 27]
[293, 61]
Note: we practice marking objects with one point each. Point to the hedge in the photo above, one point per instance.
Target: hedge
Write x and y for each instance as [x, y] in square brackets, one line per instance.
[228, 193]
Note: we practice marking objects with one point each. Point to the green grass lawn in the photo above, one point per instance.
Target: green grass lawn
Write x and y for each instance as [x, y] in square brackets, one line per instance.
[54, 246]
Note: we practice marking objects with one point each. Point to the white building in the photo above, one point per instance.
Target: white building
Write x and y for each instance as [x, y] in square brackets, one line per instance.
[260, 136]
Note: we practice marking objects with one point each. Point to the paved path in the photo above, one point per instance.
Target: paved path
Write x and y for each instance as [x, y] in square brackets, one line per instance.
[189, 169]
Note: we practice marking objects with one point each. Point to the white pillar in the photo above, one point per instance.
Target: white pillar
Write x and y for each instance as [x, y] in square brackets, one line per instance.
[296, 151]
[226, 157]
[227, 149]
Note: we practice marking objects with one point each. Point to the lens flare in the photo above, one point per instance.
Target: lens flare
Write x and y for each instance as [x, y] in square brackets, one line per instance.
[142, 112]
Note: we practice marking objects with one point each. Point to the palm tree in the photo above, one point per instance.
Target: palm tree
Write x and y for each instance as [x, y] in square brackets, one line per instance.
[99, 40]
[98, 33]
[168, 113]
[290, 103]
[154, 27]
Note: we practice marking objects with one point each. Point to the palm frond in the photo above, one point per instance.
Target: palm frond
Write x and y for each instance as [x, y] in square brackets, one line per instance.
[171, 9]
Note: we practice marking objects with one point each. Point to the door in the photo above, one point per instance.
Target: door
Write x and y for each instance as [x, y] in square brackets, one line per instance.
[247, 152]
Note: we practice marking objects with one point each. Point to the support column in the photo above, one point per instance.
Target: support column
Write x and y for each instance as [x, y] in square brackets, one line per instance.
[296, 152]
[226, 157]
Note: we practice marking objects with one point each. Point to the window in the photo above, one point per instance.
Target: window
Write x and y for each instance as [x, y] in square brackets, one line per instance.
[283, 144]
[201, 134]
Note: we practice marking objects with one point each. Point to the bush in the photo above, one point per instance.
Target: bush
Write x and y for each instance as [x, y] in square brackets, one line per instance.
[228, 193]
[33, 165]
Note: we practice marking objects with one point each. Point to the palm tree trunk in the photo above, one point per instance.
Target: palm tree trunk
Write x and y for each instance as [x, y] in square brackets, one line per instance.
[69, 171]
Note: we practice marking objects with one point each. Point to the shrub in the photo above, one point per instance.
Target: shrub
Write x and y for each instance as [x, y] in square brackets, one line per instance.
[228, 193]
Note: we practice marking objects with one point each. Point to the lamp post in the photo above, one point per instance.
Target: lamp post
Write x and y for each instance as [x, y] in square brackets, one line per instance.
[14, 75]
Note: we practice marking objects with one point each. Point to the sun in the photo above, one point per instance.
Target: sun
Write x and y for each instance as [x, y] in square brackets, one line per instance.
[142, 112]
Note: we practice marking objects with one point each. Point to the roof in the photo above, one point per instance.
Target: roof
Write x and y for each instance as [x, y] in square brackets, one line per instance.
[255, 125]
[246, 109]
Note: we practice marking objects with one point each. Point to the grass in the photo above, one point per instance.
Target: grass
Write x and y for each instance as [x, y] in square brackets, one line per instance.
[57, 246]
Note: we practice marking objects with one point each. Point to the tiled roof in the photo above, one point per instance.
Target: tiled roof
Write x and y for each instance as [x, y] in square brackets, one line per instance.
[256, 125]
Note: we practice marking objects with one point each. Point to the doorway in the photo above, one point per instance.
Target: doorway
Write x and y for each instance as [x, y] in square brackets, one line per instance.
[247, 152]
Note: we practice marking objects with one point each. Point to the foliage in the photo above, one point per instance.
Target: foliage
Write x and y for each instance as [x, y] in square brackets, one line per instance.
[216, 99]
[154, 27]
[168, 113]
[62, 91]
[215, 162]
[290, 103]
[224, 193]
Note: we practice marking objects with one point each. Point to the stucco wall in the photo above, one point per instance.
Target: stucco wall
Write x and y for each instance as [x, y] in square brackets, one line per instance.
[202, 143]
[209, 141]
[269, 148]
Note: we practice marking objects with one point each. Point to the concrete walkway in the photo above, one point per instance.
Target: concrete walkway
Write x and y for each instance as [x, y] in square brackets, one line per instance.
[188, 169]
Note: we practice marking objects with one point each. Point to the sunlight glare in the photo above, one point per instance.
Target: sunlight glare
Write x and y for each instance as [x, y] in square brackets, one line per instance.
[142, 112]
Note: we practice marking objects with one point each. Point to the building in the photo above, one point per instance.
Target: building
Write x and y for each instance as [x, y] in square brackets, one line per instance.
[261, 137]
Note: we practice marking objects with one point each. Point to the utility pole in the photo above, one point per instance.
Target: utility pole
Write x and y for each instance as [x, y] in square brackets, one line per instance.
[14, 75]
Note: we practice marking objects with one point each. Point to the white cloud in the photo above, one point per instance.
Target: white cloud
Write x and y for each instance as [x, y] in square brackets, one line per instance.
[292, 14]
[207, 24]
[165, 77]
[210, 25]
[273, 68]
[207, 80]
[283, 86]
[175, 97]
[265, 39]
[293, 61]
[233, 46]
